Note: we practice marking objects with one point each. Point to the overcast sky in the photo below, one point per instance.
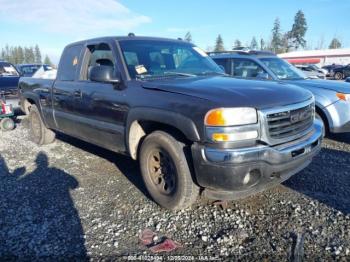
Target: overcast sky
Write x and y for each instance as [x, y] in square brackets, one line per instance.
[53, 24]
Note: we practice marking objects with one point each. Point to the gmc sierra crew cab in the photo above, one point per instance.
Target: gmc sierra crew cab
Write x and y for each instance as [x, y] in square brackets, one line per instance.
[167, 104]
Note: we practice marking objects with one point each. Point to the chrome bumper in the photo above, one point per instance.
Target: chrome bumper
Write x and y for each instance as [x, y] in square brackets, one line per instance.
[236, 173]
[272, 155]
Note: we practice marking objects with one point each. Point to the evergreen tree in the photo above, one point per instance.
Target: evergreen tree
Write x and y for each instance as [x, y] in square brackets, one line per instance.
[298, 31]
[335, 43]
[276, 42]
[37, 55]
[254, 44]
[188, 37]
[262, 44]
[47, 60]
[20, 55]
[237, 44]
[219, 44]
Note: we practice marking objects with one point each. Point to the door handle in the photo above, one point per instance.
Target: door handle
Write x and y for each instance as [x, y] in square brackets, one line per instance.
[77, 93]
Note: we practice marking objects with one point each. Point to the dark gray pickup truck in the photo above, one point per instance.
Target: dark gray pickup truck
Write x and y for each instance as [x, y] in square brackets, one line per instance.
[166, 104]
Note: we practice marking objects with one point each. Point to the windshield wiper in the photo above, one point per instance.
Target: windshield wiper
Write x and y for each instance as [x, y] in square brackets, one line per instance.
[206, 73]
[178, 74]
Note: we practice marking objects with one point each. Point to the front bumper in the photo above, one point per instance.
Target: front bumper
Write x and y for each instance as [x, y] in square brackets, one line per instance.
[339, 117]
[237, 173]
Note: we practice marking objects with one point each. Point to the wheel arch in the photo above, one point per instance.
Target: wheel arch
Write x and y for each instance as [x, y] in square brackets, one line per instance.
[142, 121]
[324, 117]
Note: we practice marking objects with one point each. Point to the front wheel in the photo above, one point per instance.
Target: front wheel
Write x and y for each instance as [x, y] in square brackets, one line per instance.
[165, 171]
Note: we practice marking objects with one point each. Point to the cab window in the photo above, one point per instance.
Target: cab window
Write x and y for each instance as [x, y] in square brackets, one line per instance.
[97, 55]
[69, 63]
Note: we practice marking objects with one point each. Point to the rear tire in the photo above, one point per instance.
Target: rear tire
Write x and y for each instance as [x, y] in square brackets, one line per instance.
[7, 124]
[39, 133]
[166, 172]
[338, 76]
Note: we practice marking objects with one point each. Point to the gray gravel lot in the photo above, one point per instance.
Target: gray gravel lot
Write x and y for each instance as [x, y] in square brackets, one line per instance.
[71, 199]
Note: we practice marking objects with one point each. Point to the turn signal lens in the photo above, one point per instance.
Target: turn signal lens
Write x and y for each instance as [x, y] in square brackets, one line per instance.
[231, 116]
[246, 135]
[342, 96]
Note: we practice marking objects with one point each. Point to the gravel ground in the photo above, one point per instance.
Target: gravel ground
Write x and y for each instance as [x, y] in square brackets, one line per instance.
[71, 199]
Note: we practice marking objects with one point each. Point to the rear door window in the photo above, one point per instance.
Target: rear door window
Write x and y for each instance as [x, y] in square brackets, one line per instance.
[245, 68]
[225, 63]
[69, 63]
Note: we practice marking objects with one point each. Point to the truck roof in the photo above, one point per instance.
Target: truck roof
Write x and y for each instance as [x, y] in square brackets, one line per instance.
[128, 37]
[240, 53]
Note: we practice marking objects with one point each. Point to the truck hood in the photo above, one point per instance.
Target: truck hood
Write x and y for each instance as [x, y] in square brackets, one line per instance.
[226, 91]
[324, 84]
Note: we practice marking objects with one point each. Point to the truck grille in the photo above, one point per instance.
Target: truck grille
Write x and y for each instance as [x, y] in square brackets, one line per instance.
[290, 123]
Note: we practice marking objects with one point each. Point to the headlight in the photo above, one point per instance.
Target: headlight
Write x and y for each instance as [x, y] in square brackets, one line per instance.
[345, 97]
[232, 124]
[231, 116]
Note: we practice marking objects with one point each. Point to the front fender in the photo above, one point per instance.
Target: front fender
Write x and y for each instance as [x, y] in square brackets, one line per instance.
[181, 122]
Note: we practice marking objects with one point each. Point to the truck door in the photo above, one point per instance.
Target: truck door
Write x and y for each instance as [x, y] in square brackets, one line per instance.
[101, 110]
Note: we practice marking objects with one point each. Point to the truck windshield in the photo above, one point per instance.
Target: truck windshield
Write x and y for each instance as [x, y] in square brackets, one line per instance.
[282, 69]
[147, 59]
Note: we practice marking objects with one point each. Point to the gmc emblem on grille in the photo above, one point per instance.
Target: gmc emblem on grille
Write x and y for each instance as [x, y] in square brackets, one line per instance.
[300, 116]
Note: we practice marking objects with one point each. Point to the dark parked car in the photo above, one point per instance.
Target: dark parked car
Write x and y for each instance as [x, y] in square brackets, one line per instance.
[332, 98]
[342, 72]
[330, 69]
[167, 104]
[9, 78]
[30, 69]
[347, 80]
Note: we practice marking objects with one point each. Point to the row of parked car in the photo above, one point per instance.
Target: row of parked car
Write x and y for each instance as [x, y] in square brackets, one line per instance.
[226, 125]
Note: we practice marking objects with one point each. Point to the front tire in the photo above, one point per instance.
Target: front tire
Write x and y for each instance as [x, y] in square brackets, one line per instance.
[39, 133]
[166, 172]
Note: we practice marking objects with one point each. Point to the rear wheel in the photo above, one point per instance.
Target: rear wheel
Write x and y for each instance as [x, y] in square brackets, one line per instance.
[39, 133]
[7, 124]
[338, 76]
[166, 172]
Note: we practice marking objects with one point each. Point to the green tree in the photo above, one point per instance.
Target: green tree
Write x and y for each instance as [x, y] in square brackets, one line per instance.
[219, 44]
[20, 55]
[37, 55]
[298, 31]
[237, 44]
[254, 44]
[47, 60]
[276, 41]
[335, 43]
[188, 37]
[262, 44]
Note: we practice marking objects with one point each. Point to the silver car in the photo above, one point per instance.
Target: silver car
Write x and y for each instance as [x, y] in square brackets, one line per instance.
[332, 98]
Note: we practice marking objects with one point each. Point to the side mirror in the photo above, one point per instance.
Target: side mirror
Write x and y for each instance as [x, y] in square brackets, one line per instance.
[104, 74]
[263, 76]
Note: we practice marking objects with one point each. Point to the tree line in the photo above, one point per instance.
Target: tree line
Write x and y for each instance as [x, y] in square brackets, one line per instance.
[280, 42]
[24, 55]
